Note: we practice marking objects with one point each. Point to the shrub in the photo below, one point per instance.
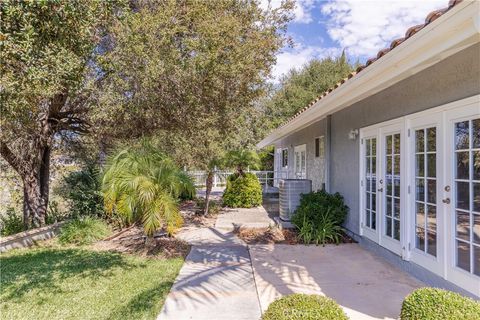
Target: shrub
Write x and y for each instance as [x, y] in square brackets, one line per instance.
[84, 230]
[319, 217]
[10, 223]
[304, 307]
[433, 303]
[142, 184]
[242, 191]
[82, 190]
[54, 214]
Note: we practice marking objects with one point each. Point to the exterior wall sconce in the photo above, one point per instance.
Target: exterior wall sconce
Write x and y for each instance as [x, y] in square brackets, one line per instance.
[353, 134]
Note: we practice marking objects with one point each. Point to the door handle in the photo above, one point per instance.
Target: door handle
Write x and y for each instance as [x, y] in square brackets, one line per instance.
[380, 190]
[446, 201]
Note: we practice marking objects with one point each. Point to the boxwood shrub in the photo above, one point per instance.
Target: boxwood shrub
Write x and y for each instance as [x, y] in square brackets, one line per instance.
[304, 307]
[433, 303]
[242, 191]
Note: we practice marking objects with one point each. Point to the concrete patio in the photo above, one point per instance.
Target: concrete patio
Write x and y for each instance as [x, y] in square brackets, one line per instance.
[365, 286]
[223, 278]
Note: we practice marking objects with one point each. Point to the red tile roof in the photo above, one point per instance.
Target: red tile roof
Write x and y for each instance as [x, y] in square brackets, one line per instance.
[432, 16]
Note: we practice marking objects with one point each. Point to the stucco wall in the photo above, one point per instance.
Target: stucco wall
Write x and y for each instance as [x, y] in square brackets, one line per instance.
[315, 165]
[453, 79]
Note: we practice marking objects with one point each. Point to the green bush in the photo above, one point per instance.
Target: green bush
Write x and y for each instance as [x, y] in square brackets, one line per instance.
[242, 191]
[54, 214]
[10, 223]
[85, 230]
[319, 217]
[82, 190]
[433, 303]
[304, 307]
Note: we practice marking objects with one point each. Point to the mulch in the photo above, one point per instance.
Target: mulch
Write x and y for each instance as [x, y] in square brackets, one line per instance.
[132, 241]
[276, 236]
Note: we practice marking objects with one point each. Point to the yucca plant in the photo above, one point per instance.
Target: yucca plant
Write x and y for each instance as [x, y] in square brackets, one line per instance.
[143, 184]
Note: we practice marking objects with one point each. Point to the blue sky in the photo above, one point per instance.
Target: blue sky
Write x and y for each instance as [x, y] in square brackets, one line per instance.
[362, 27]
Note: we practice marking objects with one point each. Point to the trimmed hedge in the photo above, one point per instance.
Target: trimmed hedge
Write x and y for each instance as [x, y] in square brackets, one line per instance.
[304, 307]
[433, 303]
[242, 191]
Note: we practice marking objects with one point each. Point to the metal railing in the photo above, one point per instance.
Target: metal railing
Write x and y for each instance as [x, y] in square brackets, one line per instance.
[266, 178]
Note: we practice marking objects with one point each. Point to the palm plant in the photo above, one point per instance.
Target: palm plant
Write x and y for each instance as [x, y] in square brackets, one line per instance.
[142, 184]
[241, 160]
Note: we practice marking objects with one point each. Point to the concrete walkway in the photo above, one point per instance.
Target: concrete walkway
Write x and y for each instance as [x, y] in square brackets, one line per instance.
[244, 218]
[216, 281]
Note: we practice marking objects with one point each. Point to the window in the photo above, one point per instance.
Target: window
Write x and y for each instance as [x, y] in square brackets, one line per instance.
[284, 158]
[319, 147]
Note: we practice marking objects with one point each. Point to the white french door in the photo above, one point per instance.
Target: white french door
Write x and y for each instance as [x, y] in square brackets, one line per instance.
[381, 185]
[390, 186]
[426, 221]
[420, 189]
[463, 207]
[300, 161]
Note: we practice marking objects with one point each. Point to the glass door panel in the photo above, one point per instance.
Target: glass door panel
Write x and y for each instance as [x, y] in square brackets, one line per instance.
[370, 207]
[392, 186]
[467, 195]
[426, 190]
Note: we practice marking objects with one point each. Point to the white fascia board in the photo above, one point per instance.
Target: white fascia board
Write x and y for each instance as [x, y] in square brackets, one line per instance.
[454, 31]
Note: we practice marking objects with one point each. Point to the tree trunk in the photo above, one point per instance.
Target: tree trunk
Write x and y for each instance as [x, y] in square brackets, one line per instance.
[36, 190]
[209, 185]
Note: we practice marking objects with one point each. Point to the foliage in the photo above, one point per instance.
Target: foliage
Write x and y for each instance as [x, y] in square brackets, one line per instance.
[304, 307]
[242, 160]
[74, 283]
[10, 222]
[54, 214]
[142, 184]
[433, 303]
[48, 72]
[189, 73]
[300, 87]
[82, 189]
[319, 217]
[85, 230]
[242, 191]
[266, 156]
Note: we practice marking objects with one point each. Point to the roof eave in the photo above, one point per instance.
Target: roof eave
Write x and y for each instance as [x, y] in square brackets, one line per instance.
[450, 33]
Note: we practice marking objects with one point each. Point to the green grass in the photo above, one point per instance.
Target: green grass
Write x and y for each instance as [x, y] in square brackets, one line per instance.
[72, 283]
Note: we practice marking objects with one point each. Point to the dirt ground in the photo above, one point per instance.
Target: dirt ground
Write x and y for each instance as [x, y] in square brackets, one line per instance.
[132, 240]
[267, 235]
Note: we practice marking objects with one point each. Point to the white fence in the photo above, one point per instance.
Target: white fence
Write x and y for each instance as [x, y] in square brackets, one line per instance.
[266, 178]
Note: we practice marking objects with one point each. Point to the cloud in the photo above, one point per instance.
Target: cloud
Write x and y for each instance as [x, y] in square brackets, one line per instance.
[298, 56]
[302, 12]
[364, 27]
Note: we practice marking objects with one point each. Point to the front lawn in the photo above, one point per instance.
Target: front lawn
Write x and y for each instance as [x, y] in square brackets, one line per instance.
[74, 283]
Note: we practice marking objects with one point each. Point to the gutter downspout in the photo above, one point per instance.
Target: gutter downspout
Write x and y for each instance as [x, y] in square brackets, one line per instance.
[328, 151]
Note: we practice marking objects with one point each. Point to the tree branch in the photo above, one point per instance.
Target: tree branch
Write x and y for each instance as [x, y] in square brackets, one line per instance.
[8, 155]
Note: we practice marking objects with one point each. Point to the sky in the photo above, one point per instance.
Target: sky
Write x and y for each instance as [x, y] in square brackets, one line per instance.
[322, 28]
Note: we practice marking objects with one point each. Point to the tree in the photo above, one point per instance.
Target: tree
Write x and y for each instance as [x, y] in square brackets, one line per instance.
[142, 184]
[242, 160]
[188, 72]
[299, 87]
[47, 49]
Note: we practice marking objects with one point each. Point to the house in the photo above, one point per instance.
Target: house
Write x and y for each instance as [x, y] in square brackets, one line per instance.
[400, 140]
